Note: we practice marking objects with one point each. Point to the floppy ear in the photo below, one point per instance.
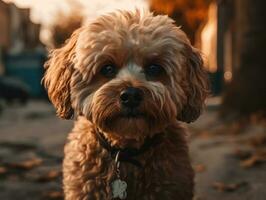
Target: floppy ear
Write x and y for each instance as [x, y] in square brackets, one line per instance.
[197, 88]
[59, 69]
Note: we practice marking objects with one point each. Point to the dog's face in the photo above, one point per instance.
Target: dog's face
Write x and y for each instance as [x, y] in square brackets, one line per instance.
[129, 73]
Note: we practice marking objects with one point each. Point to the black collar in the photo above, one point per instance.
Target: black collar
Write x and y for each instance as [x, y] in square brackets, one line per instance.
[129, 154]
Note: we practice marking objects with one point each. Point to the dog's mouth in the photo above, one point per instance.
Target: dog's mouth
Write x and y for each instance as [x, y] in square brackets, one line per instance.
[131, 113]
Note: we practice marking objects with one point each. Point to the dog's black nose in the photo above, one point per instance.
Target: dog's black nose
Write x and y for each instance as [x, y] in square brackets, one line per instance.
[131, 97]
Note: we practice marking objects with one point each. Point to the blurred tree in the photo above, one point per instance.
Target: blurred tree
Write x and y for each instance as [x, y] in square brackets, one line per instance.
[62, 30]
[66, 23]
[189, 14]
[246, 94]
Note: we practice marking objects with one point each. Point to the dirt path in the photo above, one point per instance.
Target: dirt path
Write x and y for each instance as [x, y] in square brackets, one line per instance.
[228, 166]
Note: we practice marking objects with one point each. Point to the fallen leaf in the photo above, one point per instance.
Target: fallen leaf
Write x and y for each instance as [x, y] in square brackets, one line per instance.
[54, 195]
[204, 135]
[3, 170]
[51, 175]
[222, 187]
[200, 168]
[256, 158]
[27, 164]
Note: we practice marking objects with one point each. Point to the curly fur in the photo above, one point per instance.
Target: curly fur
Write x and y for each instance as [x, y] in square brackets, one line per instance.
[130, 41]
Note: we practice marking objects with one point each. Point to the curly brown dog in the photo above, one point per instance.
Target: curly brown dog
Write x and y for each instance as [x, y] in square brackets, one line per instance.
[129, 79]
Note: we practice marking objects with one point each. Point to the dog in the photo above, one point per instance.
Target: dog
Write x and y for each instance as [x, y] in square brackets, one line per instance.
[129, 79]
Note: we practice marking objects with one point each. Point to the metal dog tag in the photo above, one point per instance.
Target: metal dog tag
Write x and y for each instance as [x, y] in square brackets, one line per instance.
[119, 188]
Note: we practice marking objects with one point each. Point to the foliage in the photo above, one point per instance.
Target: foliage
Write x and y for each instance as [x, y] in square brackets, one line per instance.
[63, 29]
[189, 14]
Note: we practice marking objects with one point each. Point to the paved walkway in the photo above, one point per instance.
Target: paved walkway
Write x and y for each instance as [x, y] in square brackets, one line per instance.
[229, 166]
[229, 158]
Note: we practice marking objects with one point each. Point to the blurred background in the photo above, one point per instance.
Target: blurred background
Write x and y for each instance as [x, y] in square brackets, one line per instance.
[227, 143]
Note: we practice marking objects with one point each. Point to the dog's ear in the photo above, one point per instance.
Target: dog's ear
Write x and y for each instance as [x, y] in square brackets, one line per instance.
[59, 69]
[197, 88]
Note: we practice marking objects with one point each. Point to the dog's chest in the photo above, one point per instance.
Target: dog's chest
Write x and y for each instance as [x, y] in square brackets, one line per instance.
[135, 179]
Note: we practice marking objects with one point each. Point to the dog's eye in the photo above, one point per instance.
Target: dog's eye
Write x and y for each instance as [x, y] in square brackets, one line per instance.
[108, 71]
[153, 70]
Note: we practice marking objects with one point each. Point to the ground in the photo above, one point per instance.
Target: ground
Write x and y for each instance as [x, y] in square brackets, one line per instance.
[229, 158]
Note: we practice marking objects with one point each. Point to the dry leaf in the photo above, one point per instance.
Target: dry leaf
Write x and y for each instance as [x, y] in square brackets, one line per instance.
[222, 187]
[27, 164]
[257, 157]
[54, 195]
[204, 134]
[200, 168]
[3, 170]
[51, 175]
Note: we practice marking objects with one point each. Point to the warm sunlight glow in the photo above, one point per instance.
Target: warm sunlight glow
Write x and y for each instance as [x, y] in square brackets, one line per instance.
[208, 39]
[96, 7]
[45, 12]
